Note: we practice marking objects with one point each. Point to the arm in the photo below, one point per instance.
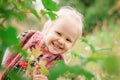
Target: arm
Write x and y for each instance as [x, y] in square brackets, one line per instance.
[9, 58]
[39, 77]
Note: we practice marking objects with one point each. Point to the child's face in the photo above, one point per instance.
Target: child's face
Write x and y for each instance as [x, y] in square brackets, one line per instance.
[62, 36]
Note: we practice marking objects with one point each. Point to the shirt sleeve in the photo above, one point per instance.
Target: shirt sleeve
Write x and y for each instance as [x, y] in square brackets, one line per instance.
[8, 55]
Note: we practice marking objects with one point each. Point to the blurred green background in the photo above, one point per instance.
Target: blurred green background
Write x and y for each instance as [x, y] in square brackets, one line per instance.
[98, 50]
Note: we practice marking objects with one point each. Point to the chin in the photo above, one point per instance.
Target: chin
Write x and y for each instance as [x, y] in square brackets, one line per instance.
[54, 52]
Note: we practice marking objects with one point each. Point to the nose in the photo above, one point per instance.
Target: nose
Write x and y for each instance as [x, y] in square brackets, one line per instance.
[61, 41]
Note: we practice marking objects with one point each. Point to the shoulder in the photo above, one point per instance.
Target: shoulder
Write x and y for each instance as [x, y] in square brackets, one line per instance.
[26, 34]
[29, 36]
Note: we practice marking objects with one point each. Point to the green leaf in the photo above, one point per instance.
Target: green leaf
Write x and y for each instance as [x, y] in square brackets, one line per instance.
[87, 42]
[20, 16]
[100, 49]
[80, 71]
[58, 70]
[30, 6]
[14, 75]
[35, 13]
[8, 14]
[43, 12]
[92, 48]
[52, 15]
[62, 68]
[5, 13]
[8, 36]
[24, 53]
[84, 40]
[111, 64]
[44, 71]
[50, 5]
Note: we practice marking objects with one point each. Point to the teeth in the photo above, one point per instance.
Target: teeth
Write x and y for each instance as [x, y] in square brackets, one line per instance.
[56, 45]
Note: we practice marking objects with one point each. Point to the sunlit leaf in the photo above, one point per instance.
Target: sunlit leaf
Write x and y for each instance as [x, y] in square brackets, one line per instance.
[50, 5]
[87, 42]
[111, 64]
[44, 70]
[30, 6]
[9, 36]
[24, 53]
[84, 40]
[17, 75]
[80, 71]
[52, 15]
[55, 72]
[35, 13]
[36, 52]
[43, 12]
[62, 68]
[92, 48]
[100, 49]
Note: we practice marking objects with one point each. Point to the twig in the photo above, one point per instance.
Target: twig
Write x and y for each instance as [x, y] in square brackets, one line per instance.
[2, 21]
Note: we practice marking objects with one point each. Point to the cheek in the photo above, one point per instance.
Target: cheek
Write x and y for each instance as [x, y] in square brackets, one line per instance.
[68, 46]
[49, 38]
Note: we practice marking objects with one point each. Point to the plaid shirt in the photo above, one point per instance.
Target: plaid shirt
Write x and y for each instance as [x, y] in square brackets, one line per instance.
[28, 41]
[36, 41]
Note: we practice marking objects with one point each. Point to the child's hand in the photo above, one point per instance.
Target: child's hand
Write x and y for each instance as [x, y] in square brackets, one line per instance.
[39, 77]
[2, 74]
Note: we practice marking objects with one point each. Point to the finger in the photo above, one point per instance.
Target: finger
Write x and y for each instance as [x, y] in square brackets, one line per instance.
[39, 79]
[40, 76]
[44, 77]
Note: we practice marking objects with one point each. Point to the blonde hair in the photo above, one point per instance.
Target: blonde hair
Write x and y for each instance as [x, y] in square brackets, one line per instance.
[66, 11]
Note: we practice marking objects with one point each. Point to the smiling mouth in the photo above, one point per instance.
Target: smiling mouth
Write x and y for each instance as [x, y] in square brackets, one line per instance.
[56, 46]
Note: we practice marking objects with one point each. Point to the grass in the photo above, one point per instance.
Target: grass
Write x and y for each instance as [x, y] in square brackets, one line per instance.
[104, 63]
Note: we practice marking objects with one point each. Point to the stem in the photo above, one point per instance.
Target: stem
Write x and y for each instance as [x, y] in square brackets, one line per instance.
[2, 22]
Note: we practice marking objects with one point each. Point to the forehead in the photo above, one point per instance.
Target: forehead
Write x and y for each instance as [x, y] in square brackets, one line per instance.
[67, 26]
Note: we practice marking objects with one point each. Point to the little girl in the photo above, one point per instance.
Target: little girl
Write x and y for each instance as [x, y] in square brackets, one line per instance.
[44, 48]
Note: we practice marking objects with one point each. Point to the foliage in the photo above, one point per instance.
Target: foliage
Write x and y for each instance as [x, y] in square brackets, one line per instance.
[18, 9]
[61, 69]
[103, 62]
[17, 75]
[94, 11]
[50, 7]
